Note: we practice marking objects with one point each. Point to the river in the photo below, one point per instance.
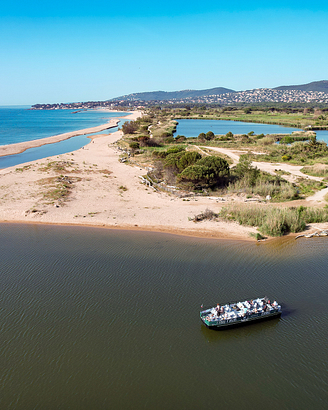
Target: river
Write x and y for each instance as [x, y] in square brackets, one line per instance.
[106, 319]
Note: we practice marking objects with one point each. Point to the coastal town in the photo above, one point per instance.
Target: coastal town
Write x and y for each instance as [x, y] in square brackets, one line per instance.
[255, 96]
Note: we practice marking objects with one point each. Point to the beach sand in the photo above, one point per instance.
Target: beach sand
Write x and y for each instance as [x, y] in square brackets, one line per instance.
[12, 149]
[101, 191]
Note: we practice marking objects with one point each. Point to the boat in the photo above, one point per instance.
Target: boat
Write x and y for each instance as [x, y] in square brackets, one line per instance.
[232, 314]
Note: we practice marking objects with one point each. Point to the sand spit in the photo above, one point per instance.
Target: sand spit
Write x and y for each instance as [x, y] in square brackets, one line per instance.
[91, 187]
[12, 149]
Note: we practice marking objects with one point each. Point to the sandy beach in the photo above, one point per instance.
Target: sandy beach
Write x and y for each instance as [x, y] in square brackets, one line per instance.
[101, 191]
[12, 149]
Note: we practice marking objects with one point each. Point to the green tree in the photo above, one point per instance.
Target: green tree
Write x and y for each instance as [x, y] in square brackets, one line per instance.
[189, 158]
[209, 135]
[208, 171]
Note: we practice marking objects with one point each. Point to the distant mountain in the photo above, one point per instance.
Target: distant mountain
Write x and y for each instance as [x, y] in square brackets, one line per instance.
[320, 86]
[170, 95]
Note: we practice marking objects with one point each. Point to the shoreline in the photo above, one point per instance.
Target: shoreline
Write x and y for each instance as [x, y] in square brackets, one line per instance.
[159, 230]
[90, 187]
[19, 147]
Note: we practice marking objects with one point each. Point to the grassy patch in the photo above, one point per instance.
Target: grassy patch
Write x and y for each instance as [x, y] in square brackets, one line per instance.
[274, 221]
[317, 170]
[26, 167]
[59, 167]
[57, 188]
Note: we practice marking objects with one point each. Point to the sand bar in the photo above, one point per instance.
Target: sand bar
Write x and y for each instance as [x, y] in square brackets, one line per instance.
[12, 149]
[106, 193]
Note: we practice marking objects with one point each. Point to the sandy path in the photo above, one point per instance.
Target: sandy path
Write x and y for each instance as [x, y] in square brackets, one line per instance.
[294, 170]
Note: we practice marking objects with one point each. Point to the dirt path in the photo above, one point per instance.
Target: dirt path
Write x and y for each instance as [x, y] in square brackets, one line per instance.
[292, 171]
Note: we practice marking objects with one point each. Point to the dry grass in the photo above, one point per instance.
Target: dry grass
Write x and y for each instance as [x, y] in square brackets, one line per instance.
[59, 167]
[57, 188]
[317, 170]
[275, 221]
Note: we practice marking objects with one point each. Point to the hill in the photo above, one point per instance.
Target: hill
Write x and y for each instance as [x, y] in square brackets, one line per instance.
[319, 86]
[170, 95]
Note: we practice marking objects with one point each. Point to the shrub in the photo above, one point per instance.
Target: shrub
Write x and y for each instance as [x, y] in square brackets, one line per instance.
[174, 150]
[209, 136]
[134, 145]
[129, 127]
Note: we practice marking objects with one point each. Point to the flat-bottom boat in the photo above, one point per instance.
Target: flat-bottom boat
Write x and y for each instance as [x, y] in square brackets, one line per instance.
[239, 313]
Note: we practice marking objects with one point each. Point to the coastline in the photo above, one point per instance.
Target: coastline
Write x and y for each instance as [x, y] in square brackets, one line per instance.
[103, 192]
[18, 148]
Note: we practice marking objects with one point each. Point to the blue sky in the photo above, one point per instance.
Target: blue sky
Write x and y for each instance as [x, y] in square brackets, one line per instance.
[79, 51]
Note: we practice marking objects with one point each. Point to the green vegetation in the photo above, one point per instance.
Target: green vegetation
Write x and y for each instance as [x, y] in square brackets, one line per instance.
[189, 169]
[274, 221]
[251, 181]
[151, 139]
[57, 188]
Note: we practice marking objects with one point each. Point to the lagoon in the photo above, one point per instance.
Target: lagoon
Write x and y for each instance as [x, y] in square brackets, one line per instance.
[99, 319]
[192, 128]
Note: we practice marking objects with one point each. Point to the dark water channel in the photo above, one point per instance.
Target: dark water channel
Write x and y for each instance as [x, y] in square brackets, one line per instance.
[105, 319]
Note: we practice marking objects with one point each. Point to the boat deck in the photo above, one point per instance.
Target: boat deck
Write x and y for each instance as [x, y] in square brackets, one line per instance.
[240, 312]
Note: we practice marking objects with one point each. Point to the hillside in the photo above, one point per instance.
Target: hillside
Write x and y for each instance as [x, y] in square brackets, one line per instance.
[170, 95]
[319, 86]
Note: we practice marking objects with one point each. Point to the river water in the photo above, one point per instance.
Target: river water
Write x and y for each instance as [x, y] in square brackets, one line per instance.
[107, 319]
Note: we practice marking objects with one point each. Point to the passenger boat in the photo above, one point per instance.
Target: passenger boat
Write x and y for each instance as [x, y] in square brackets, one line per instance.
[238, 313]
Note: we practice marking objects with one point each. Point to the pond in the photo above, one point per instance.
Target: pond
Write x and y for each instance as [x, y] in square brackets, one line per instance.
[192, 128]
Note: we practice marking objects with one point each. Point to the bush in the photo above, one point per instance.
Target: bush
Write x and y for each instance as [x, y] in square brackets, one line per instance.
[134, 145]
[129, 127]
[209, 136]
[174, 150]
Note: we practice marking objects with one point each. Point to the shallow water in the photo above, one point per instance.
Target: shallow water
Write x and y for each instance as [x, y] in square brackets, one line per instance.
[20, 125]
[100, 319]
[192, 128]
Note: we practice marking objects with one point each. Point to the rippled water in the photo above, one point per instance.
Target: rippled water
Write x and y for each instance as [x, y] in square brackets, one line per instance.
[105, 319]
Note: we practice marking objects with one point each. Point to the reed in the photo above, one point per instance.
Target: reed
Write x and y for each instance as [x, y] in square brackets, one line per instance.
[274, 221]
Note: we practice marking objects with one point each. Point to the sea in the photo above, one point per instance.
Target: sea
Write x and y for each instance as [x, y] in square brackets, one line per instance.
[93, 318]
[20, 124]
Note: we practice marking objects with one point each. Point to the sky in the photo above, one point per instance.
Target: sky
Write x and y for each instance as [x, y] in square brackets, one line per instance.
[70, 51]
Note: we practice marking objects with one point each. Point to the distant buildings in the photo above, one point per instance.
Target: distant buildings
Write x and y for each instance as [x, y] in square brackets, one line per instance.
[260, 95]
